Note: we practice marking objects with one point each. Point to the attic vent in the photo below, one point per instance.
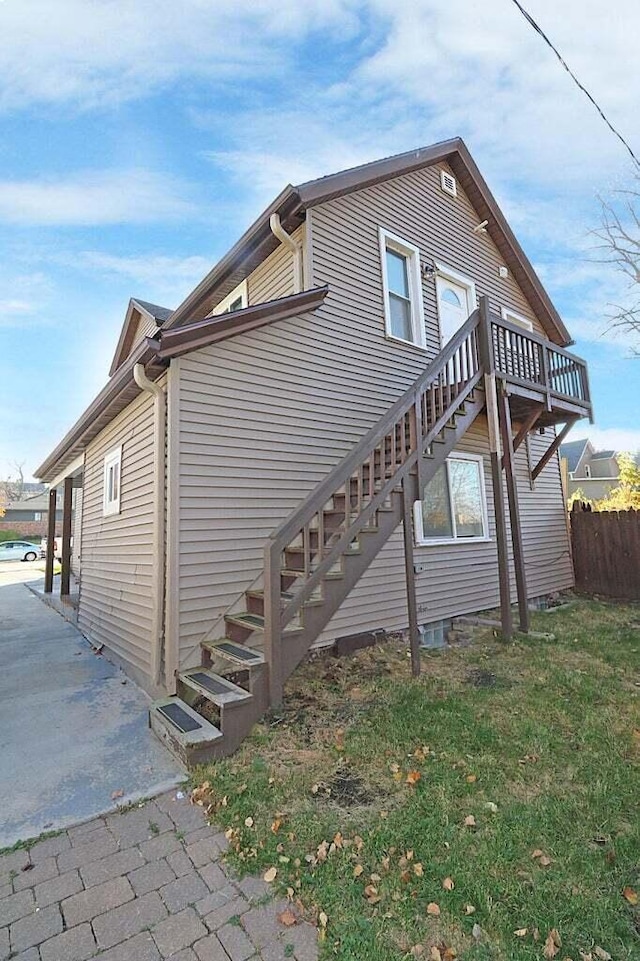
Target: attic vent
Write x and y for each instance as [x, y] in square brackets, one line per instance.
[448, 183]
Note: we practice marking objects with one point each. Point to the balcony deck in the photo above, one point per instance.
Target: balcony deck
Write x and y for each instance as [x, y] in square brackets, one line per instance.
[539, 374]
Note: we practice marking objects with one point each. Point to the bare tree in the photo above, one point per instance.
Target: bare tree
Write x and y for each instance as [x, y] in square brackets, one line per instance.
[12, 489]
[619, 237]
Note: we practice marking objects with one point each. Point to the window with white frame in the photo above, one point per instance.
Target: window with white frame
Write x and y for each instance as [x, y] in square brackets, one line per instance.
[513, 318]
[403, 311]
[236, 300]
[454, 505]
[111, 482]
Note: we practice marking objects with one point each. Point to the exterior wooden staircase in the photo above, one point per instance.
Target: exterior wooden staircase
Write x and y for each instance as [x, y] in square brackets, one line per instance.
[314, 559]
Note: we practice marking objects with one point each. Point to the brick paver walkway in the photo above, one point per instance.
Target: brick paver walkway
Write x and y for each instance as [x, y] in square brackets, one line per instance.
[143, 885]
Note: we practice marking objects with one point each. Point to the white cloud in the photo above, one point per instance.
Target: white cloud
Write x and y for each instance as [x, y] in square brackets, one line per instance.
[157, 275]
[93, 197]
[92, 52]
[23, 300]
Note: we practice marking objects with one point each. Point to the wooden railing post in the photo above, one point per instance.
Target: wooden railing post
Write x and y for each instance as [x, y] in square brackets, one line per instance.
[51, 536]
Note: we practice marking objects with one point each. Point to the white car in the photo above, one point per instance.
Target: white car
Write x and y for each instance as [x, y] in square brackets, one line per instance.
[18, 551]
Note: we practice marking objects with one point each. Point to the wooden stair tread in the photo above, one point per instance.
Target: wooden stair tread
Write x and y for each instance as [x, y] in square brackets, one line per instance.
[183, 723]
[285, 596]
[215, 688]
[289, 572]
[237, 654]
[254, 622]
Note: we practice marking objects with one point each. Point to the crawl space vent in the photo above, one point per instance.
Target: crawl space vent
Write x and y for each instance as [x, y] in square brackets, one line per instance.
[448, 183]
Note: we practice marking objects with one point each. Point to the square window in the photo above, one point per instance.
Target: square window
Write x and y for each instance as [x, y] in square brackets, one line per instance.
[111, 482]
[402, 287]
[454, 507]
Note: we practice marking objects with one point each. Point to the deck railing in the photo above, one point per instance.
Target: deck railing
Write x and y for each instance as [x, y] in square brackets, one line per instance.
[525, 358]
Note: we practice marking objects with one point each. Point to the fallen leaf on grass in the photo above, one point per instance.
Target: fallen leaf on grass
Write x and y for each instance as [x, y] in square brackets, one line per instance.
[413, 777]
[248, 822]
[545, 861]
[469, 821]
[417, 951]
[601, 953]
[537, 853]
[357, 871]
[521, 932]
[277, 824]
[371, 894]
[418, 870]
[476, 931]
[630, 895]
[323, 919]
[448, 884]
[270, 875]
[469, 909]
[287, 917]
[434, 954]
[490, 806]
[552, 945]
[471, 778]
[433, 909]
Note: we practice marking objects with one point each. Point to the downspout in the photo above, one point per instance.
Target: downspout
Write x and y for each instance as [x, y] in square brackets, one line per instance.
[159, 425]
[296, 249]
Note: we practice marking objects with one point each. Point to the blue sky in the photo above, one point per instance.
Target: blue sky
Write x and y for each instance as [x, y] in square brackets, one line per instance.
[140, 139]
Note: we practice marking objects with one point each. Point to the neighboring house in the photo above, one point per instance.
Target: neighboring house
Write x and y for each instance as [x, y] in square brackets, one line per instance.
[28, 517]
[308, 446]
[594, 472]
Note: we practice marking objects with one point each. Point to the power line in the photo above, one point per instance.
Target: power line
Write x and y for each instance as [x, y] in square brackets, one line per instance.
[535, 26]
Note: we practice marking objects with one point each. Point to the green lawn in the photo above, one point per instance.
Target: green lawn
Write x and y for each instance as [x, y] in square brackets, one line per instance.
[511, 771]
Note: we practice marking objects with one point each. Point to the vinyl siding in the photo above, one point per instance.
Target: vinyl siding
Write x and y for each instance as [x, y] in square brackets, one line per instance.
[264, 416]
[117, 556]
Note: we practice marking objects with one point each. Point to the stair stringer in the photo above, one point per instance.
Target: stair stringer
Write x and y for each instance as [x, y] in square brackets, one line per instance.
[336, 590]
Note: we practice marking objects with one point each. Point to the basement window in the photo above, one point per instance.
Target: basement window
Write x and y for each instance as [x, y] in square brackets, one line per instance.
[454, 506]
[111, 482]
[402, 287]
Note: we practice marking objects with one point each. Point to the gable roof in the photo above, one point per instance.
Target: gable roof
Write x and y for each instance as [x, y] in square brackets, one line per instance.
[154, 354]
[573, 452]
[135, 310]
[257, 242]
[603, 455]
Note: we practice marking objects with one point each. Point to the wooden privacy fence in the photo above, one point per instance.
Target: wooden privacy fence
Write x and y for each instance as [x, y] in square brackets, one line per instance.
[606, 552]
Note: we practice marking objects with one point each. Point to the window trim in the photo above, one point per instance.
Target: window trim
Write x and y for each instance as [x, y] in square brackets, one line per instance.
[513, 317]
[422, 541]
[113, 457]
[391, 241]
[241, 291]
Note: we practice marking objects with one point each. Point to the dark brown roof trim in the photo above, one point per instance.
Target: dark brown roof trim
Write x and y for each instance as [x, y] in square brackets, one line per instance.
[90, 423]
[155, 354]
[197, 302]
[456, 154]
[367, 175]
[202, 333]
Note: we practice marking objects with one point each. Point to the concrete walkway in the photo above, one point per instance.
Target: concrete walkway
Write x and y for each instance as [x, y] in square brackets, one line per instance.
[73, 729]
[143, 885]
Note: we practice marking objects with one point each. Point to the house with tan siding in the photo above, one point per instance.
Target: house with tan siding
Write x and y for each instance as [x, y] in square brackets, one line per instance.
[350, 425]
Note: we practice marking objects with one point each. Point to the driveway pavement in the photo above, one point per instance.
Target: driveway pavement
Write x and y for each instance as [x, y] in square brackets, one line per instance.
[73, 728]
[142, 885]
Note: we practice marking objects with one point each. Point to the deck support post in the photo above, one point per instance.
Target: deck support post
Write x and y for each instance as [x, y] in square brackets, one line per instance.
[487, 360]
[67, 502]
[51, 536]
[412, 603]
[272, 626]
[514, 508]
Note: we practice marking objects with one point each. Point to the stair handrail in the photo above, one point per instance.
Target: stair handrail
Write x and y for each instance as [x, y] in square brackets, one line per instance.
[303, 514]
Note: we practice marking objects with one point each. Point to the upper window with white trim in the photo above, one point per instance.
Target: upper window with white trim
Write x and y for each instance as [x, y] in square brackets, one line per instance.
[236, 300]
[403, 311]
[111, 482]
[454, 505]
